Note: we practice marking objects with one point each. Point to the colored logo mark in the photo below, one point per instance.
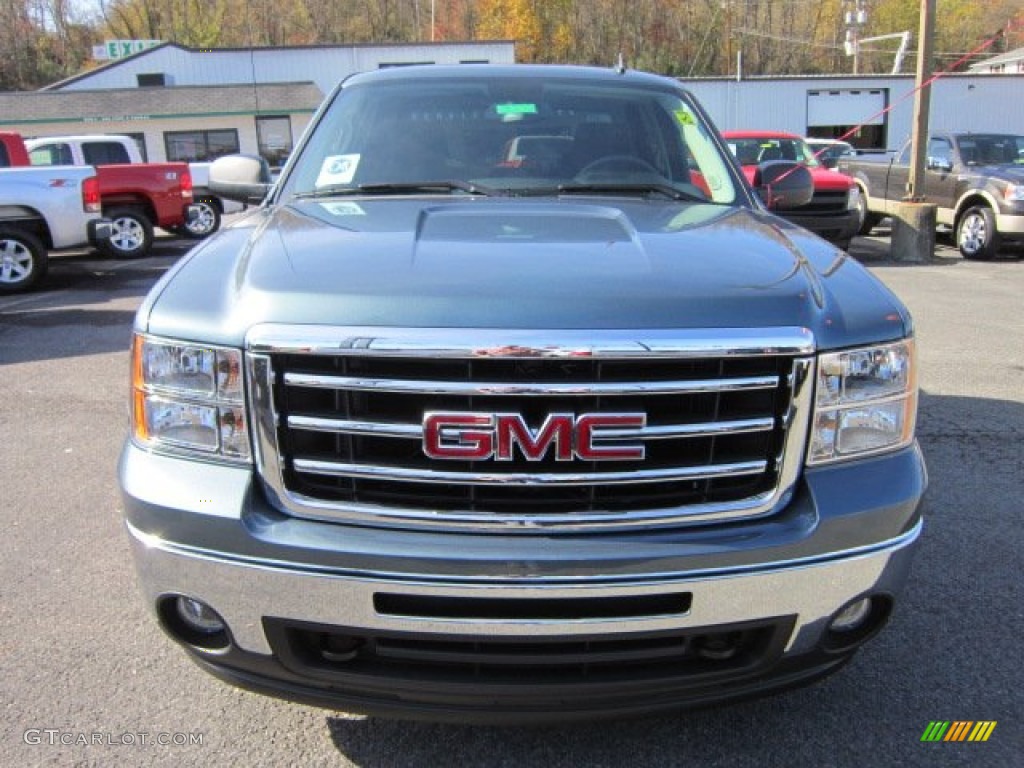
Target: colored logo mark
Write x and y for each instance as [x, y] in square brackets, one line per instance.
[958, 730]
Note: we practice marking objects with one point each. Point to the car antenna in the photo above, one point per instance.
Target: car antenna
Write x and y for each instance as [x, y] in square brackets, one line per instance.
[620, 65]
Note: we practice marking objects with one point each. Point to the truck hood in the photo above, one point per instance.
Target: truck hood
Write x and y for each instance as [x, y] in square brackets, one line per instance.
[1007, 171]
[571, 263]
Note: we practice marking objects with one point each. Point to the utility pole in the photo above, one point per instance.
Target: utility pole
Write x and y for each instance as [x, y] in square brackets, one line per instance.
[913, 221]
[856, 20]
[922, 101]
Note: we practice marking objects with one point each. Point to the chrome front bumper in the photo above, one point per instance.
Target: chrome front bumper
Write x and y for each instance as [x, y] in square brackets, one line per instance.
[245, 591]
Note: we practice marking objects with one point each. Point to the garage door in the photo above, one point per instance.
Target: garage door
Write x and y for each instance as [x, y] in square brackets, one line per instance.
[849, 107]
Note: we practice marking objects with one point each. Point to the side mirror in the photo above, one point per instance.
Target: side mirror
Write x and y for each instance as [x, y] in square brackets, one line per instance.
[945, 165]
[783, 184]
[244, 178]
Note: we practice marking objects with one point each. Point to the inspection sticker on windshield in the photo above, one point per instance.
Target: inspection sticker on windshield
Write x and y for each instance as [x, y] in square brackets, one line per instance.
[337, 169]
[683, 117]
[516, 109]
[343, 209]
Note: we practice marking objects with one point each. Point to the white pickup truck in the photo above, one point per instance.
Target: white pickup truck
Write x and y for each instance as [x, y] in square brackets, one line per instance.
[44, 209]
[112, 149]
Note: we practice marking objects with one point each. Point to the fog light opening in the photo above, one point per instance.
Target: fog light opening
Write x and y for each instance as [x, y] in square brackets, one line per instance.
[193, 622]
[857, 622]
[851, 617]
[719, 647]
[198, 615]
[340, 648]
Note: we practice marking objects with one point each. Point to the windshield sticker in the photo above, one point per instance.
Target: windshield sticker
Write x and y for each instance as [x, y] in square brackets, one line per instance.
[337, 169]
[684, 117]
[516, 109]
[343, 209]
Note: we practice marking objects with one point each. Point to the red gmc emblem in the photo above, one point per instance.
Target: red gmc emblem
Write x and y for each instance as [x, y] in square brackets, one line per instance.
[479, 436]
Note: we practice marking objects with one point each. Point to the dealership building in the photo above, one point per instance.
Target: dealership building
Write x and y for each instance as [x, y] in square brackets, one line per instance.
[189, 104]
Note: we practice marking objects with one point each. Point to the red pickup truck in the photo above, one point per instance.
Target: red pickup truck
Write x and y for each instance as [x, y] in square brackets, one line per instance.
[136, 198]
[832, 212]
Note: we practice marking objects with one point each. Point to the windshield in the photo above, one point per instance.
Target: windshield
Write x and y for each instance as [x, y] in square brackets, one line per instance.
[511, 135]
[992, 149]
[758, 150]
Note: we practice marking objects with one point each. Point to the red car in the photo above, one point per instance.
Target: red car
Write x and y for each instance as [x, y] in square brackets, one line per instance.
[832, 212]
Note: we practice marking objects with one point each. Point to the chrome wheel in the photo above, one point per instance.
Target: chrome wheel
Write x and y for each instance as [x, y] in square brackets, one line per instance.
[23, 261]
[127, 234]
[206, 223]
[976, 234]
[15, 262]
[973, 233]
[131, 234]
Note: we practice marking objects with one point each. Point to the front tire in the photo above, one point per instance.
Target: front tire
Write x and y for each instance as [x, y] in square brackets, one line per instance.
[206, 223]
[867, 220]
[131, 233]
[23, 261]
[976, 234]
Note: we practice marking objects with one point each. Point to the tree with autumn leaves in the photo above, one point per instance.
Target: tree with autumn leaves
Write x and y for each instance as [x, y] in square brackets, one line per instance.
[45, 40]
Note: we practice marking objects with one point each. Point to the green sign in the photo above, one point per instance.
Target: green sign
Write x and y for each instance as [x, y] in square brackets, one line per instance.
[118, 49]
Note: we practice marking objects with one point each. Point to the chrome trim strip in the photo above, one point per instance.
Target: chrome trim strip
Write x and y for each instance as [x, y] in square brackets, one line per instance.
[422, 387]
[486, 343]
[399, 474]
[796, 421]
[349, 427]
[415, 431]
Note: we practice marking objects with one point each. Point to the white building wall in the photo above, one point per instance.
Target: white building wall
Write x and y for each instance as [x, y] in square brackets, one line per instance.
[154, 129]
[324, 66]
[958, 102]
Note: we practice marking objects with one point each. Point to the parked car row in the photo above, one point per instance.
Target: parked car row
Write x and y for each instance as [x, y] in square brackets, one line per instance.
[113, 149]
[52, 199]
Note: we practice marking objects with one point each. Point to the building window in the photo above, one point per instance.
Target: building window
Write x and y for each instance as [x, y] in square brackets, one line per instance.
[200, 146]
[151, 79]
[274, 137]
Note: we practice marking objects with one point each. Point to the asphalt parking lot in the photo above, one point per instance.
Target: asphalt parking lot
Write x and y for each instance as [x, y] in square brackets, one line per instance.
[87, 678]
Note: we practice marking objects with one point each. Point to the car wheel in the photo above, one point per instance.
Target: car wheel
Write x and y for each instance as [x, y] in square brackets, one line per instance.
[23, 261]
[205, 224]
[131, 233]
[865, 218]
[976, 234]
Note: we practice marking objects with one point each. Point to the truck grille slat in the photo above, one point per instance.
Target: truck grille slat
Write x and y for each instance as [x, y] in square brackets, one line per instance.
[719, 435]
[528, 478]
[467, 389]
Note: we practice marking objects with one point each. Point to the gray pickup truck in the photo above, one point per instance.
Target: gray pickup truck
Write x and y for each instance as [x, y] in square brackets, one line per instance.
[976, 180]
[440, 430]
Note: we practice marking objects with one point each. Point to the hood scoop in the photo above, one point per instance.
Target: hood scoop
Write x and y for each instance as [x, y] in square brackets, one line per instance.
[543, 224]
[500, 237]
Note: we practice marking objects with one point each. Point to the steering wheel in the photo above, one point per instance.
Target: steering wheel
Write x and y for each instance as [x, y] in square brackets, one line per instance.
[613, 164]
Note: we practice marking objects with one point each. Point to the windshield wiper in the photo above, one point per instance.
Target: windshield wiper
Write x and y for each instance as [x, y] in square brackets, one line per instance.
[402, 188]
[644, 188]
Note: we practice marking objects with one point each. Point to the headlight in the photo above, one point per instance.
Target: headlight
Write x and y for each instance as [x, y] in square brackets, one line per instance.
[865, 402]
[189, 398]
[1014, 192]
[852, 198]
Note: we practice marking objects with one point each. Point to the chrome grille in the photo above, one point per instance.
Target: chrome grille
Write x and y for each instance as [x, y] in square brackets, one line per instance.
[826, 202]
[339, 416]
